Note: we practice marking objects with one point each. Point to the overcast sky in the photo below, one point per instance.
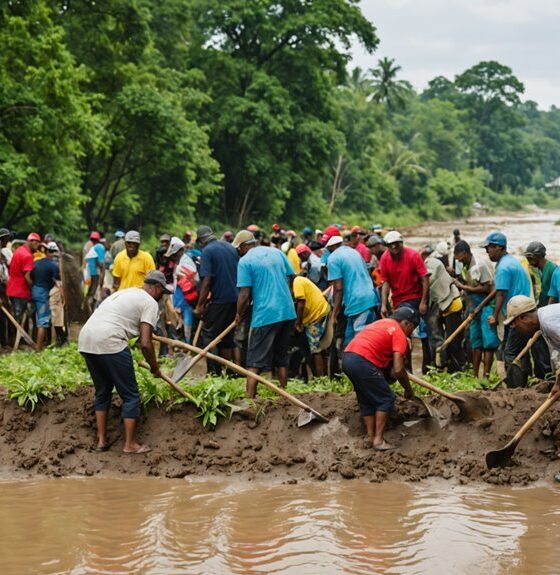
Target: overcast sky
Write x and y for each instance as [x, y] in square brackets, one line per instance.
[429, 38]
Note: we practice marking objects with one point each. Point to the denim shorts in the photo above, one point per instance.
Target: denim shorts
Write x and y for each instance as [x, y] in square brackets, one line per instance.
[482, 335]
[40, 296]
[356, 323]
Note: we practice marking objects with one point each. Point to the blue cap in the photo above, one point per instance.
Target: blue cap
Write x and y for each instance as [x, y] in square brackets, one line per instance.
[496, 238]
[307, 231]
[119, 234]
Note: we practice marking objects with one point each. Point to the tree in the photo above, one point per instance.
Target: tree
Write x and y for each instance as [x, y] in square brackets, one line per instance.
[45, 120]
[386, 88]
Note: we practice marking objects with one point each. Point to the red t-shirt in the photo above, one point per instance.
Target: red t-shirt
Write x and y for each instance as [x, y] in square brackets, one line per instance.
[362, 249]
[404, 275]
[378, 341]
[22, 262]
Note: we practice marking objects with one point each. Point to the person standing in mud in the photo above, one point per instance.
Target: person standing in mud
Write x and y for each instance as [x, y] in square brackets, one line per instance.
[265, 275]
[372, 359]
[103, 342]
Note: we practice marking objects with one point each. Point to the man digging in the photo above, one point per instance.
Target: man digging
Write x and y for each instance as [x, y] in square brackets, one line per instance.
[377, 351]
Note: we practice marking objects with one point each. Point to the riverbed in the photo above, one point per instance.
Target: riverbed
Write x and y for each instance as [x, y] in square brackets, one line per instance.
[151, 526]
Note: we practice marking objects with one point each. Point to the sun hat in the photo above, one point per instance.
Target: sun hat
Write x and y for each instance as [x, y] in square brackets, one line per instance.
[243, 237]
[518, 305]
[132, 236]
[392, 237]
[175, 245]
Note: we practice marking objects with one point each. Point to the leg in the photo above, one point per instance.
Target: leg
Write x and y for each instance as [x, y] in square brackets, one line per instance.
[41, 336]
[252, 382]
[369, 421]
[381, 418]
[101, 421]
[103, 392]
[319, 364]
[476, 359]
[283, 376]
[488, 361]
[280, 349]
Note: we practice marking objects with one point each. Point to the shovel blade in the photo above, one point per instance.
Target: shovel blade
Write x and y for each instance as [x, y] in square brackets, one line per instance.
[181, 368]
[516, 376]
[500, 457]
[305, 417]
[473, 408]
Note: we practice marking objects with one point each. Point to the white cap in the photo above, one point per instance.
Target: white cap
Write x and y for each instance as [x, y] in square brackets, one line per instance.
[174, 246]
[518, 305]
[52, 247]
[392, 237]
[334, 241]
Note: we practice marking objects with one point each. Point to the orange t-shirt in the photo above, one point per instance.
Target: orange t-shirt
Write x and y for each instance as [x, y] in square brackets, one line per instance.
[378, 341]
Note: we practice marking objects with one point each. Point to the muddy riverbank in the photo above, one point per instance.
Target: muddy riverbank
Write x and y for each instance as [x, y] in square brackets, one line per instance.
[58, 439]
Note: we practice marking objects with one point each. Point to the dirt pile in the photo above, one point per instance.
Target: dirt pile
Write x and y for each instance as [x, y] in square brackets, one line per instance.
[58, 439]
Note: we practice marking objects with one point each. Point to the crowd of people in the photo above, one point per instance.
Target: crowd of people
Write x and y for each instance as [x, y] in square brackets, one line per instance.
[319, 302]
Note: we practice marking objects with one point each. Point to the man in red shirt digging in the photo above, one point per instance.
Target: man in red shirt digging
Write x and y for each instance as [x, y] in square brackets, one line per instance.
[372, 359]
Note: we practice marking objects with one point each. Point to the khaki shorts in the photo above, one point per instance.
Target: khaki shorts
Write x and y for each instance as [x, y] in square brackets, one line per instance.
[57, 309]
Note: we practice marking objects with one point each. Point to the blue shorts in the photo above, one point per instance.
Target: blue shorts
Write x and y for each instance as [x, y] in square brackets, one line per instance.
[356, 323]
[371, 387]
[482, 335]
[40, 296]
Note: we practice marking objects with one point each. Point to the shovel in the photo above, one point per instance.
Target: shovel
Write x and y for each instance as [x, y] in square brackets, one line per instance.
[516, 376]
[307, 413]
[168, 380]
[179, 374]
[502, 457]
[470, 408]
[185, 360]
[463, 325]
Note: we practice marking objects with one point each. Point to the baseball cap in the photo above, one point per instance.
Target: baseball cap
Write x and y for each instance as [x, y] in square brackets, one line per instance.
[52, 247]
[405, 313]
[495, 238]
[119, 234]
[331, 231]
[175, 245]
[253, 228]
[373, 240]
[334, 241]
[535, 249]
[33, 236]
[302, 248]
[518, 305]
[392, 237]
[307, 231]
[132, 236]
[291, 233]
[165, 238]
[94, 236]
[4, 232]
[243, 237]
[203, 232]
[157, 277]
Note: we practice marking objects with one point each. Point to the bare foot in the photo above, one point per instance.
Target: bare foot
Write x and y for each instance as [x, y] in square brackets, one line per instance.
[383, 446]
[137, 448]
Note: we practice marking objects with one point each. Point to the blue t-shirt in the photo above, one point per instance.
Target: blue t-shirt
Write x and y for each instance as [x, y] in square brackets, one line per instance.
[358, 294]
[266, 270]
[94, 258]
[219, 262]
[44, 273]
[554, 290]
[512, 278]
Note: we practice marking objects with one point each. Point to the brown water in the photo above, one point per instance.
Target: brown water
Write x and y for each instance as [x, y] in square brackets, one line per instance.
[158, 527]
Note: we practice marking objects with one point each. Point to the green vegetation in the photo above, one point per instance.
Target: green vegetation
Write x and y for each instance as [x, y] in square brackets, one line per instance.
[162, 113]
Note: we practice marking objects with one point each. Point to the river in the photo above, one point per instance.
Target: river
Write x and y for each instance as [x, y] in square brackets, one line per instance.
[150, 526]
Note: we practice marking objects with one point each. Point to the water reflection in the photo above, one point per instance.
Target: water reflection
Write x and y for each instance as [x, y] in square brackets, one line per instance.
[106, 526]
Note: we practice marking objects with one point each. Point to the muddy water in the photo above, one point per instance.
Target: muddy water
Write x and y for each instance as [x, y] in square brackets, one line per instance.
[150, 526]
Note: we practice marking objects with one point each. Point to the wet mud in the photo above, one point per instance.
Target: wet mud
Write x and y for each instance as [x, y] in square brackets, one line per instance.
[58, 440]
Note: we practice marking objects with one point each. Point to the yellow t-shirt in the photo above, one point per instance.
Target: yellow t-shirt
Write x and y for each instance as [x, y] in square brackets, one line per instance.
[316, 306]
[132, 271]
[293, 258]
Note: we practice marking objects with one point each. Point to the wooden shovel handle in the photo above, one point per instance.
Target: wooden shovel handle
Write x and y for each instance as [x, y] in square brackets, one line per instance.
[433, 388]
[550, 400]
[241, 370]
[468, 320]
[205, 351]
[168, 380]
[18, 327]
[197, 332]
[527, 347]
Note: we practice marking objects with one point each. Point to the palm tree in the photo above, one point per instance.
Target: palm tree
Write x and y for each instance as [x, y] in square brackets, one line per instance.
[386, 88]
[402, 161]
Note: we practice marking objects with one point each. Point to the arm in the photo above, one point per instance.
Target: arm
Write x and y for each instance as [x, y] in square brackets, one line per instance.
[423, 308]
[116, 283]
[401, 375]
[385, 299]
[147, 347]
[552, 300]
[291, 278]
[500, 299]
[28, 279]
[101, 266]
[300, 309]
[242, 302]
[479, 288]
[337, 299]
[203, 296]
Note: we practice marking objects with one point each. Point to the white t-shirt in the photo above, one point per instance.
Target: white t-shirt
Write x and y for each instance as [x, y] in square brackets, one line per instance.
[549, 318]
[117, 320]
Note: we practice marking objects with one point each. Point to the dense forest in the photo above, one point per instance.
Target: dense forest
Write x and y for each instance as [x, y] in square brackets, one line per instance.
[156, 114]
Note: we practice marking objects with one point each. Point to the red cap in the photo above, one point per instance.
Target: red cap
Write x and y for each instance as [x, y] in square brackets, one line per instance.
[302, 248]
[33, 236]
[95, 236]
[276, 227]
[291, 233]
[325, 238]
[253, 228]
[332, 231]
[355, 229]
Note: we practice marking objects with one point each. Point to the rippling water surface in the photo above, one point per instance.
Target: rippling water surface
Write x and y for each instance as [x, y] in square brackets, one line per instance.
[153, 526]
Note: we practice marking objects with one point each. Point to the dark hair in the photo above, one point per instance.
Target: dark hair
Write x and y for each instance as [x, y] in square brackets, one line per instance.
[462, 246]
